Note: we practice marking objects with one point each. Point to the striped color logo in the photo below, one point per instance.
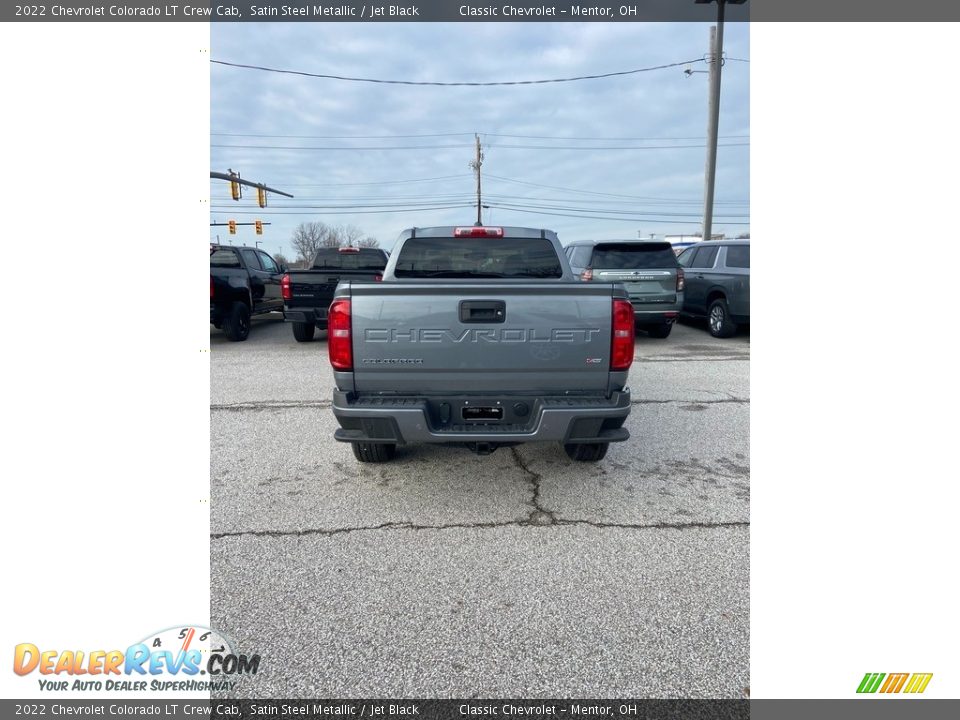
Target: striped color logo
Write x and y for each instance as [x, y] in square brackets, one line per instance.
[894, 682]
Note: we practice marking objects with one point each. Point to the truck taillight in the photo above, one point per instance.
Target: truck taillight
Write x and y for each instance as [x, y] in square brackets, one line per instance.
[211, 287]
[349, 249]
[681, 282]
[285, 291]
[621, 346]
[339, 342]
[587, 275]
[474, 232]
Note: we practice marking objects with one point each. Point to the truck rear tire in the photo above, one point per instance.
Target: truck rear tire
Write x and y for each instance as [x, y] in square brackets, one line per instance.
[586, 452]
[660, 331]
[303, 332]
[373, 452]
[237, 324]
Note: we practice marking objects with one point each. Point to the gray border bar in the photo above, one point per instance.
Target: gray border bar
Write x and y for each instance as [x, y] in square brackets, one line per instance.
[371, 11]
[874, 708]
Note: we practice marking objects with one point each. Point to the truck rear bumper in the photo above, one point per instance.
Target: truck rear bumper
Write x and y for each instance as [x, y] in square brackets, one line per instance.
[644, 316]
[411, 420]
[310, 316]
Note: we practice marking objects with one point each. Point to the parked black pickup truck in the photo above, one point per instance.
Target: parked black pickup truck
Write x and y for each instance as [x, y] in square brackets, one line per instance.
[307, 294]
[244, 281]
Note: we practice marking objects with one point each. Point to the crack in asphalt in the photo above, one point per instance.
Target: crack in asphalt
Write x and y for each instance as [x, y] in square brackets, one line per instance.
[728, 358]
[731, 399]
[330, 532]
[539, 515]
[271, 405]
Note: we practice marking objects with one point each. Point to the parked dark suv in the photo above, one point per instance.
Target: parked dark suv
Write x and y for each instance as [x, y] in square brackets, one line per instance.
[648, 269]
[718, 284]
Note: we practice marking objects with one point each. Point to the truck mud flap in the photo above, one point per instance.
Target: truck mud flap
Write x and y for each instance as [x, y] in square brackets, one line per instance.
[592, 430]
[368, 430]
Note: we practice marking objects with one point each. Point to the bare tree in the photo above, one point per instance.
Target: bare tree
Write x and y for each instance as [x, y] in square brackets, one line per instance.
[351, 235]
[308, 238]
[281, 259]
[311, 236]
[743, 236]
[343, 236]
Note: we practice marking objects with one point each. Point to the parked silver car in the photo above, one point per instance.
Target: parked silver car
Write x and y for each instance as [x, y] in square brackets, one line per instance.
[718, 284]
[648, 269]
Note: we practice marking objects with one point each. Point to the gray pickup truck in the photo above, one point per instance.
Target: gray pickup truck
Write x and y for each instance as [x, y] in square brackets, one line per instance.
[480, 336]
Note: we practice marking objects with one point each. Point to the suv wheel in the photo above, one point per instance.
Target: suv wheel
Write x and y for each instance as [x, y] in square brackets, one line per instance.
[237, 326]
[303, 332]
[373, 452]
[718, 319]
[586, 452]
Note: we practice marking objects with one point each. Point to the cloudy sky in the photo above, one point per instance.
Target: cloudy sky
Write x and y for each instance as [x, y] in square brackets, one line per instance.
[594, 158]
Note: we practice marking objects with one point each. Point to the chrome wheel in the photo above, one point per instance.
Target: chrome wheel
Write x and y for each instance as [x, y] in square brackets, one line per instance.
[717, 318]
[719, 321]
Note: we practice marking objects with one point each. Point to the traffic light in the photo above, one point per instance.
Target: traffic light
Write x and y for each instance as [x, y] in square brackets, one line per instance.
[235, 190]
[262, 197]
[232, 224]
[259, 226]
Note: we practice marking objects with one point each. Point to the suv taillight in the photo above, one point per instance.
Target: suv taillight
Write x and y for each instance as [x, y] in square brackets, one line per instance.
[378, 277]
[339, 342]
[587, 275]
[285, 291]
[681, 282]
[211, 287]
[621, 346]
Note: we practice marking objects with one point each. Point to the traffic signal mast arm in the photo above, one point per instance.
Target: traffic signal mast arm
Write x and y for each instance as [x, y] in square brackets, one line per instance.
[237, 179]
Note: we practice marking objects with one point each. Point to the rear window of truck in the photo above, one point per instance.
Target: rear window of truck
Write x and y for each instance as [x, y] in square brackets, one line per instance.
[222, 258]
[333, 259]
[478, 258]
[638, 256]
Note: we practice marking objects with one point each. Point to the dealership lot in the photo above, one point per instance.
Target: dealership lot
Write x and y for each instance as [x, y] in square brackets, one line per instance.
[446, 574]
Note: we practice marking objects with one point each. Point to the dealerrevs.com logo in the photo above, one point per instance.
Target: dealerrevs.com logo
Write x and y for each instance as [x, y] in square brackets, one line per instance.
[911, 683]
[183, 659]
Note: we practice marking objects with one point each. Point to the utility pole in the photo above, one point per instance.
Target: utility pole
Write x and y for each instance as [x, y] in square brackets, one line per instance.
[475, 164]
[713, 121]
[713, 116]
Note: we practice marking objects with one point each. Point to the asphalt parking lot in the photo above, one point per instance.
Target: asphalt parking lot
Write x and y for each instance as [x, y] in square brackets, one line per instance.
[519, 574]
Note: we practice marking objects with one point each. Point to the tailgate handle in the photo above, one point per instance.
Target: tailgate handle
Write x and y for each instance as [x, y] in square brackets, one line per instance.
[483, 311]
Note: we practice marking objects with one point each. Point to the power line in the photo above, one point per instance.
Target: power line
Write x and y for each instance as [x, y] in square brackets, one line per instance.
[466, 195]
[587, 192]
[340, 137]
[599, 217]
[610, 211]
[455, 84]
[454, 134]
[350, 212]
[461, 147]
[383, 182]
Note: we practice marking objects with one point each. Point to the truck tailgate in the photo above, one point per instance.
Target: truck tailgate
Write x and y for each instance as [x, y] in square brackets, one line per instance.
[314, 288]
[480, 337]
